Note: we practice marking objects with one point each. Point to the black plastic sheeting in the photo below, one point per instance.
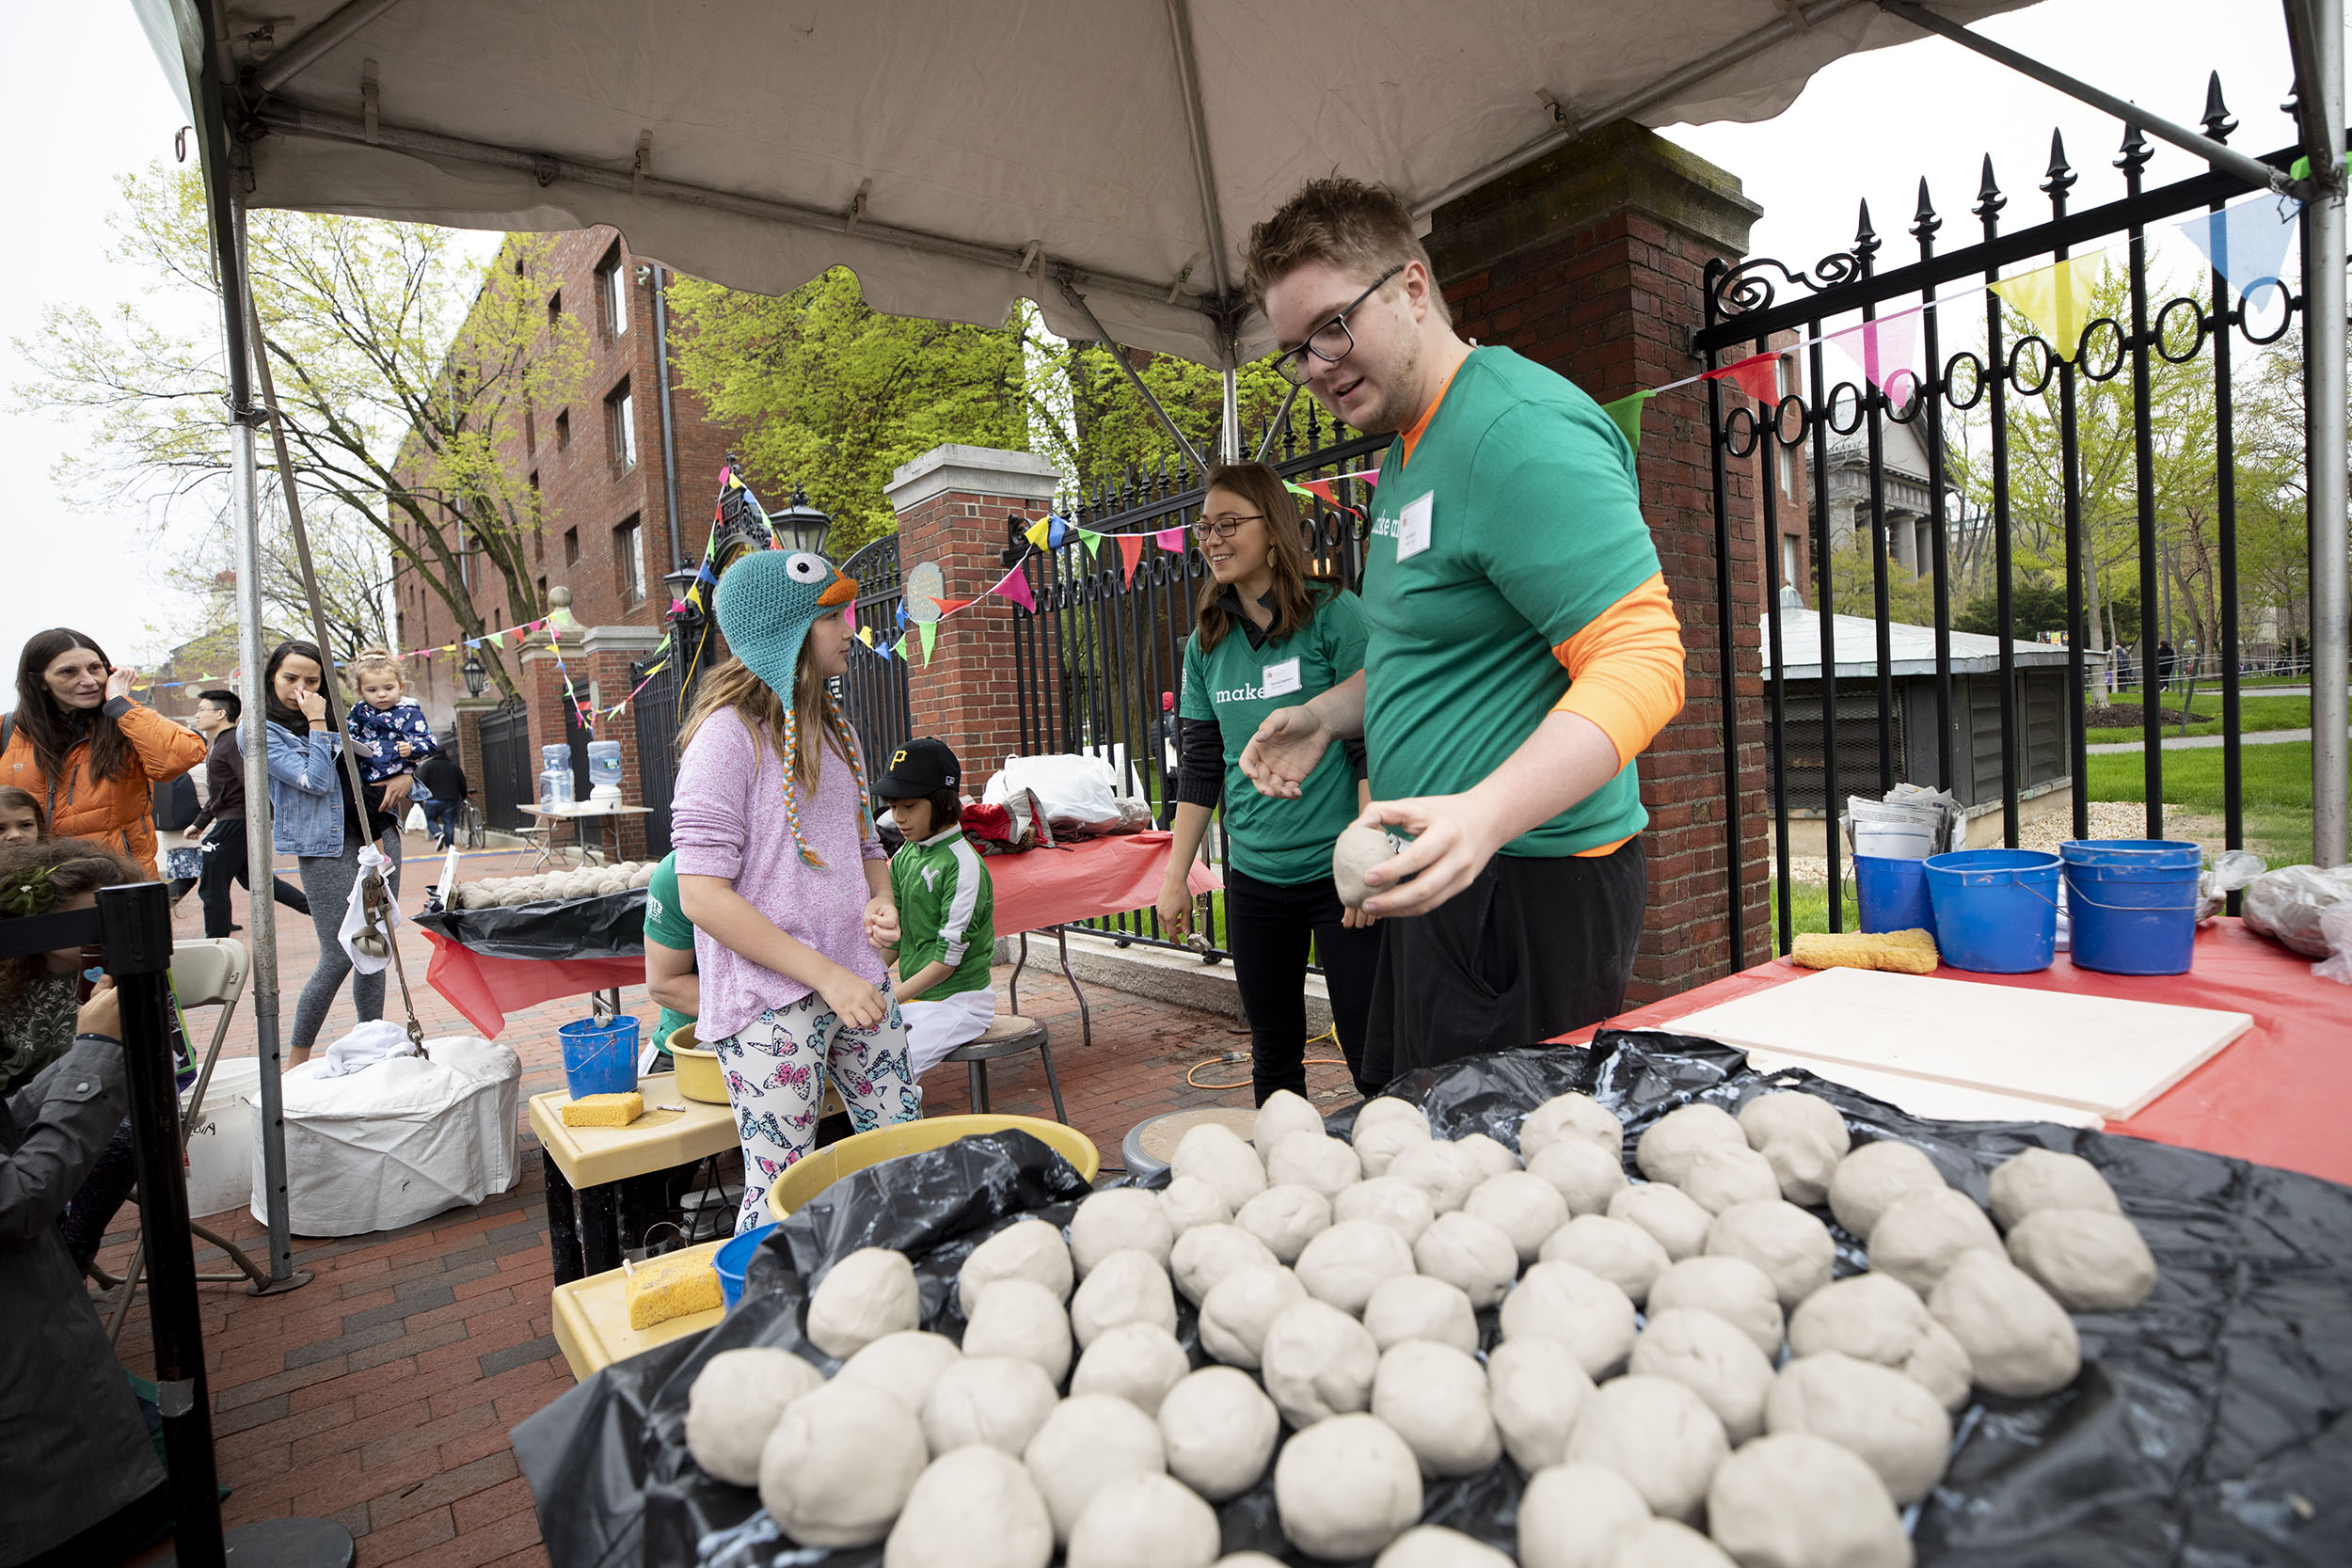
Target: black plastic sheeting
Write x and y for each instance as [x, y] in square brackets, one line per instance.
[2209, 1428]
[612, 925]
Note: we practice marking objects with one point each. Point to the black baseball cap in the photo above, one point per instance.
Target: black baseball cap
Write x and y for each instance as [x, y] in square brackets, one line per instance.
[921, 767]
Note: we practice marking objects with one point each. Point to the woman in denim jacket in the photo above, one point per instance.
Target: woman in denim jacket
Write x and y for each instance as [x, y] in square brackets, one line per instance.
[313, 818]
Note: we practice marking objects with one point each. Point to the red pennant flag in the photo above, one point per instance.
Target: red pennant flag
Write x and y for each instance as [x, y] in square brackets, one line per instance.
[1321, 489]
[1130, 552]
[1758, 376]
[948, 607]
[1015, 587]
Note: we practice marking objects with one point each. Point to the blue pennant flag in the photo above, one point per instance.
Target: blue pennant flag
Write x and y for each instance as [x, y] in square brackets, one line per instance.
[2247, 243]
[1056, 532]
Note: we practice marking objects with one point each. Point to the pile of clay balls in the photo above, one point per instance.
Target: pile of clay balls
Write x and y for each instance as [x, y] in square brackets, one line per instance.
[1639, 1379]
[587, 881]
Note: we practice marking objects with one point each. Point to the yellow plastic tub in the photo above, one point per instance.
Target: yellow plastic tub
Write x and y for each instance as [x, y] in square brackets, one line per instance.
[820, 1168]
[698, 1074]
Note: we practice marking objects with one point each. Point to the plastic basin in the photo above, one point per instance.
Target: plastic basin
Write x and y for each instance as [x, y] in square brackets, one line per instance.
[599, 1058]
[733, 1260]
[698, 1074]
[820, 1168]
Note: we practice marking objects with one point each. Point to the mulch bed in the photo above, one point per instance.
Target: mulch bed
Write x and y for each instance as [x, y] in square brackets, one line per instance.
[2115, 716]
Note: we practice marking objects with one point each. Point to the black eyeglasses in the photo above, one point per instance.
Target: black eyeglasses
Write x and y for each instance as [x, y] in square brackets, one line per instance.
[1224, 526]
[1330, 342]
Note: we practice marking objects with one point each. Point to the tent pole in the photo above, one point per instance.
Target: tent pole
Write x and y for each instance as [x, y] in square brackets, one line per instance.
[1197, 130]
[1282, 419]
[1229, 444]
[1119, 357]
[296, 56]
[253, 736]
[2320, 84]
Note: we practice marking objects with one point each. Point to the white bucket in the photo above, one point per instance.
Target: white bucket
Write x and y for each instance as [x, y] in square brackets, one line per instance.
[1890, 842]
[220, 1159]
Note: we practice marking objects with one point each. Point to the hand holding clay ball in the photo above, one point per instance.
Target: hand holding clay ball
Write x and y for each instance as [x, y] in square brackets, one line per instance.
[1356, 851]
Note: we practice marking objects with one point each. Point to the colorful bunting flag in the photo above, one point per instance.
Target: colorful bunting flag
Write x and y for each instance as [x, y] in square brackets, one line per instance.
[930, 635]
[848, 615]
[2056, 299]
[1625, 413]
[899, 647]
[1170, 540]
[1885, 350]
[1040, 532]
[2247, 244]
[948, 607]
[1758, 376]
[1056, 532]
[1130, 552]
[865, 635]
[1014, 586]
[1092, 541]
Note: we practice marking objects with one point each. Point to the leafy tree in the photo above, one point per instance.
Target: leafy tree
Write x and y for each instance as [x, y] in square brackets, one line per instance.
[2037, 605]
[403, 366]
[1910, 600]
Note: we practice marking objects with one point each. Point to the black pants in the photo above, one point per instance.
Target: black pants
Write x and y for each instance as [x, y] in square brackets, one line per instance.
[1533, 948]
[225, 863]
[1269, 928]
[127, 1531]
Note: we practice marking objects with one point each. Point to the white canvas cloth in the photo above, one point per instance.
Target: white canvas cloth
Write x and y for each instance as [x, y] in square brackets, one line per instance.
[935, 1028]
[401, 1141]
[365, 1046]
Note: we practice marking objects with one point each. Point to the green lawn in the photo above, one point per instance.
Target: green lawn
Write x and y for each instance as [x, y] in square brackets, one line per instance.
[2277, 788]
[2254, 713]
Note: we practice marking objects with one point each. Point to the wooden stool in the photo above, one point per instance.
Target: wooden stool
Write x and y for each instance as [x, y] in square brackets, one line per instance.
[1151, 1144]
[1008, 1034]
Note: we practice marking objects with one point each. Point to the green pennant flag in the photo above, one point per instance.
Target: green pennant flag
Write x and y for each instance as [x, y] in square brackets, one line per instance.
[930, 635]
[902, 645]
[1625, 413]
[1093, 542]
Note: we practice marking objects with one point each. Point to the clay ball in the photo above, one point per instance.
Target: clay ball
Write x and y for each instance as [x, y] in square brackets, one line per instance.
[972, 1508]
[1794, 1249]
[997, 1401]
[1021, 1319]
[1768, 1117]
[841, 1464]
[1357, 850]
[1143, 1521]
[1524, 1207]
[1618, 1251]
[1384, 1108]
[1219, 1430]
[2090, 1260]
[1466, 1251]
[1658, 1435]
[1313, 1160]
[1713, 1360]
[1874, 1318]
[1578, 1117]
[1535, 1389]
[1415, 1307]
[1086, 1444]
[1216, 1154]
[1136, 1362]
[1793, 1498]
[1919, 1235]
[2020, 1341]
[1384, 1200]
[1435, 1546]
[1581, 1310]
[1025, 1249]
[1667, 1213]
[1485, 1156]
[1286, 1216]
[1119, 1219]
[1283, 1113]
[1241, 1306]
[1435, 1398]
[1804, 1162]
[1895, 1425]
[1345, 1488]
[1585, 1177]
[1344, 1264]
[1873, 1177]
[865, 1295]
[1665, 1543]
[1572, 1515]
[1208, 1253]
[1317, 1362]
[735, 1404]
[1665, 1150]
[1438, 1170]
[903, 1365]
[1378, 1147]
[1190, 1202]
[1723, 1174]
[1124, 1288]
[2044, 1178]
[1733, 1288]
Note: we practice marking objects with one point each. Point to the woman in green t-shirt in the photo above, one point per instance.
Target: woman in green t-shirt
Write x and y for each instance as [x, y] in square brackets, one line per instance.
[1268, 638]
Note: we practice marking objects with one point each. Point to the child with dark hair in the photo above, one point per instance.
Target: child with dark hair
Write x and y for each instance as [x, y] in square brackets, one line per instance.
[21, 820]
[944, 933]
[38, 990]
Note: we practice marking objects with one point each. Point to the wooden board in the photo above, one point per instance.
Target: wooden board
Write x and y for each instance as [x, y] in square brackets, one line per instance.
[1930, 1098]
[2100, 1054]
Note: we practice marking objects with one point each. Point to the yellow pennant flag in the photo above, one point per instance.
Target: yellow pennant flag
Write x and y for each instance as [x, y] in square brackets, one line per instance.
[2056, 299]
[1038, 532]
[865, 635]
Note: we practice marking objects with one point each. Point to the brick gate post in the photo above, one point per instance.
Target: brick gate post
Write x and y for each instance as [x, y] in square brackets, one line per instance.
[952, 504]
[1590, 261]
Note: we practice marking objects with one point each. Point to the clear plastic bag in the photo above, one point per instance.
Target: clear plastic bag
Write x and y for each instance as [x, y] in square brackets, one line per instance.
[2335, 928]
[2286, 905]
[2230, 870]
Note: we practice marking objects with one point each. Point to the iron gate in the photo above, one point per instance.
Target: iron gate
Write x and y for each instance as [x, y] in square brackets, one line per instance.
[508, 780]
[659, 701]
[873, 692]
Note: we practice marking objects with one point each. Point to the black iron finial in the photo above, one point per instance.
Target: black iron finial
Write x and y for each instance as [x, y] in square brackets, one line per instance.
[799, 494]
[1924, 223]
[2218, 122]
[2136, 151]
[1865, 239]
[2061, 176]
[1989, 198]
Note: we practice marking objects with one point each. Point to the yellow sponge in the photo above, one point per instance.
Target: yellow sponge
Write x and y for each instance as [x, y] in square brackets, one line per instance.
[1903, 952]
[670, 1287]
[604, 1110]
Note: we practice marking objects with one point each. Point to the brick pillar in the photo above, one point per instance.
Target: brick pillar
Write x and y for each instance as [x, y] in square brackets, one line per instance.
[469, 712]
[1590, 262]
[952, 504]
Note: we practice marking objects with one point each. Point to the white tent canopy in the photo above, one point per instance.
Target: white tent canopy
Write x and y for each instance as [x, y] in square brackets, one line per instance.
[959, 154]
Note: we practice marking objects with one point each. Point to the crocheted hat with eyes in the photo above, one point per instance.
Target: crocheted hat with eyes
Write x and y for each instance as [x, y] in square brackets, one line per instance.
[765, 603]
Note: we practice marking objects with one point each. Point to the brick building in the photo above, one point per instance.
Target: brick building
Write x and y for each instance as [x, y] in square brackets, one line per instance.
[607, 501]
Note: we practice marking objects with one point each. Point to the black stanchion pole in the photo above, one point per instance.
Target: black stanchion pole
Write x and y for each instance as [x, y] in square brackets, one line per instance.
[135, 920]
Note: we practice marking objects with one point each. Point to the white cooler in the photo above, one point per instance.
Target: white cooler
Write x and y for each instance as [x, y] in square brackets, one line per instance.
[220, 1169]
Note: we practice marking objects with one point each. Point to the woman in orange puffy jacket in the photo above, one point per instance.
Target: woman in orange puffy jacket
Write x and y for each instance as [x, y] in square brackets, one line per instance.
[81, 746]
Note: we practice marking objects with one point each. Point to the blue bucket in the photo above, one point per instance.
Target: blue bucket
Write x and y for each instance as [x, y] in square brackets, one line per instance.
[2132, 903]
[1996, 909]
[599, 1058]
[1893, 894]
[734, 1260]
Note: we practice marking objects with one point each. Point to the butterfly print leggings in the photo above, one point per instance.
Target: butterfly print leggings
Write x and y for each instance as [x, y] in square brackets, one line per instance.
[776, 1070]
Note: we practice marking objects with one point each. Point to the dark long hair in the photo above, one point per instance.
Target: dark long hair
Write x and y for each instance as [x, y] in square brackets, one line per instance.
[279, 713]
[35, 877]
[1293, 600]
[54, 733]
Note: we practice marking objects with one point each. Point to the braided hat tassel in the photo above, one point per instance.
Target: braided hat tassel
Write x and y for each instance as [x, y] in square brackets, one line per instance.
[791, 792]
[857, 766]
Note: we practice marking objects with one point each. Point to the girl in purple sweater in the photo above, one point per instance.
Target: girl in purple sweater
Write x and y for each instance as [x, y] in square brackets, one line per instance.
[778, 866]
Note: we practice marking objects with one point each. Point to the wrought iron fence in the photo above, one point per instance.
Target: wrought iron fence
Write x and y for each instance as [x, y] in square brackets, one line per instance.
[507, 775]
[1101, 653]
[1981, 390]
[660, 703]
[874, 690]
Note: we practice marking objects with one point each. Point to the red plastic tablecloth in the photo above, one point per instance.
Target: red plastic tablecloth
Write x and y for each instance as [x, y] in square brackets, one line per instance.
[486, 990]
[2273, 1096]
[1079, 881]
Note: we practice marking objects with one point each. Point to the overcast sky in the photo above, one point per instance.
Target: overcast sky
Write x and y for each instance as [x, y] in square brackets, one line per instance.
[1870, 126]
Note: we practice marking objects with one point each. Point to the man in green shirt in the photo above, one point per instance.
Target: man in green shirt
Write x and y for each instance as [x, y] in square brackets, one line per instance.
[1521, 649]
[671, 978]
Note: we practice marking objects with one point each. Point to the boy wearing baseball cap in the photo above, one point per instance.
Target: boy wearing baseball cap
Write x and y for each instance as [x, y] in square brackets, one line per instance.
[947, 931]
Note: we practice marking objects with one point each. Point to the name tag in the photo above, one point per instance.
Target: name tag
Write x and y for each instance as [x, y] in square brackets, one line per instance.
[1412, 527]
[1280, 679]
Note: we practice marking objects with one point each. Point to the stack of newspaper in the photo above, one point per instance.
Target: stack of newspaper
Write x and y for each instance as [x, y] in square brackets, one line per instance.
[1911, 823]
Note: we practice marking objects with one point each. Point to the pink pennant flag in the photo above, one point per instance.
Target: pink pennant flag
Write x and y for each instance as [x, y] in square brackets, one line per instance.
[1885, 350]
[848, 615]
[1758, 376]
[1170, 540]
[1014, 586]
[1130, 552]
